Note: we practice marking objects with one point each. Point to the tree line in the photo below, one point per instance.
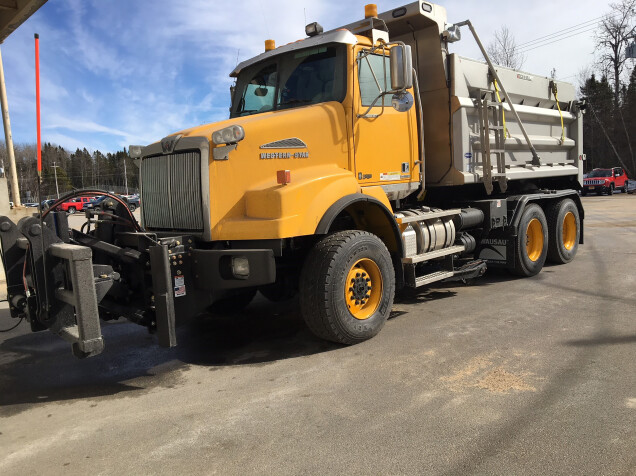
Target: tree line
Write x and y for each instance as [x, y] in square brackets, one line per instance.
[74, 170]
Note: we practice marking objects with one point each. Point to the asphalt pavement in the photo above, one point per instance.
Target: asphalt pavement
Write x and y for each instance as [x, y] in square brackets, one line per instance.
[502, 376]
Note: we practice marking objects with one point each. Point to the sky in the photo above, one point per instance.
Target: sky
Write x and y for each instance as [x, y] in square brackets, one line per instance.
[121, 72]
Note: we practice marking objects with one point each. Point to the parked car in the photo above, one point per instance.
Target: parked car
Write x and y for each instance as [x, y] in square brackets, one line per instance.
[605, 181]
[95, 203]
[47, 203]
[74, 205]
[133, 201]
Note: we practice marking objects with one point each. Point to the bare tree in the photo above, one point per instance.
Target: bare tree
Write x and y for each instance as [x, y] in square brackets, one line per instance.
[615, 32]
[503, 50]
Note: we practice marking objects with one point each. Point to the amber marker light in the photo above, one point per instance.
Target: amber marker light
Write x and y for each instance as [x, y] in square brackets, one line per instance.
[283, 177]
[370, 10]
[270, 45]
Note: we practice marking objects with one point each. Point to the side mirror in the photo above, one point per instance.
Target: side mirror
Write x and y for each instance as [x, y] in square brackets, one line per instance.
[402, 101]
[261, 92]
[401, 68]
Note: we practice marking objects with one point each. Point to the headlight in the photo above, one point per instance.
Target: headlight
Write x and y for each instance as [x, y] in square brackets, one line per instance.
[229, 135]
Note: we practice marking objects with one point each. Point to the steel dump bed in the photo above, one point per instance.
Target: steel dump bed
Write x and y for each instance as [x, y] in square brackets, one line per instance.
[465, 138]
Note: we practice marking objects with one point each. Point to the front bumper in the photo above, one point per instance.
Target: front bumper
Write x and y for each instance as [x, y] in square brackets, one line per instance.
[214, 269]
[596, 188]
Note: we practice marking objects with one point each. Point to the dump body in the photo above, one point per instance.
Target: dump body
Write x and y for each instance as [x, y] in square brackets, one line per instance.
[452, 89]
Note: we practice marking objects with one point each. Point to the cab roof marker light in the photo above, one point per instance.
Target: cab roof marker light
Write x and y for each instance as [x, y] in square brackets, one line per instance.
[270, 45]
[371, 10]
[229, 135]
[135, 151]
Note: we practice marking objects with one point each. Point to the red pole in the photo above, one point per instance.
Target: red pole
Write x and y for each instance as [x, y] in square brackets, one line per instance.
[37, 100]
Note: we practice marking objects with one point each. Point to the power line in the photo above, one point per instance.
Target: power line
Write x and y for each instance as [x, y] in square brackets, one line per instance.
[556, 40]
[584, 24]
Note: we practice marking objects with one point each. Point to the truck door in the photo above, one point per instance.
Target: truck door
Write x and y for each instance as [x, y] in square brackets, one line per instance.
[385, 140]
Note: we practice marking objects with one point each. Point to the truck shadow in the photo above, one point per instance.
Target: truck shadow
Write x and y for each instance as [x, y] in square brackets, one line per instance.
[39, 367]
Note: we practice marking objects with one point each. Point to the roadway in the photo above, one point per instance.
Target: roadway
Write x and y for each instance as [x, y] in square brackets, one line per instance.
[504, 376]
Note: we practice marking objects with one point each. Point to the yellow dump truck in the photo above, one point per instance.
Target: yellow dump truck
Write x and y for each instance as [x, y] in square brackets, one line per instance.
[355, 162]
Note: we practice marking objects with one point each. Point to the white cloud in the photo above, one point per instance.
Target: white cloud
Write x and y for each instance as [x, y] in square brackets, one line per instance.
[120, 72]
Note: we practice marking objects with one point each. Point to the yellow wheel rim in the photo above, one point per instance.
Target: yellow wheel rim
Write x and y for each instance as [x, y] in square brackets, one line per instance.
[363, 288]
[569, 231]
[534, 239]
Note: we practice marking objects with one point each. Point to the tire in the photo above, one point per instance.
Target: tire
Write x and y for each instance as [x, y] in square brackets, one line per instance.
[611, 190]
[233, 302]
[132, 207]
[531, 247]
[340, 268]
[564, 231]
[624, 189]
[71, 210]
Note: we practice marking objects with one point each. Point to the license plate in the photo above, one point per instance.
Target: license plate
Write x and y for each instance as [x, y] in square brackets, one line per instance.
[592, 188]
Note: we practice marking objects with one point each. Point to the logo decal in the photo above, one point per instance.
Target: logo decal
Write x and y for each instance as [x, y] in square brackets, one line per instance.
[284, 155]
[168, 143]
[291, 143]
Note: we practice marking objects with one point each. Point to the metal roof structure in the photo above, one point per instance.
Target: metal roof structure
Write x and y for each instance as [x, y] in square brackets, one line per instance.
[15, 12]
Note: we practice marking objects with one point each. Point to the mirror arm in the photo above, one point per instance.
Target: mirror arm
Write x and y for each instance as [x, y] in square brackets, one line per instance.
[365, 53]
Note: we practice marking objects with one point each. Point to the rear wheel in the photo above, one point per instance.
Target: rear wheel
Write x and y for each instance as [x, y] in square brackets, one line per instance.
[132, 207]
[564, 230]
[531, 247]
[347, 287]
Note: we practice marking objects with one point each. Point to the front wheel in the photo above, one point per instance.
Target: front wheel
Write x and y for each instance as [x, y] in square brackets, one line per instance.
[531, 246]
[624, 189]
[71, 210]
[611, 190]
[132, 207]
[347, 286]
[564, 230]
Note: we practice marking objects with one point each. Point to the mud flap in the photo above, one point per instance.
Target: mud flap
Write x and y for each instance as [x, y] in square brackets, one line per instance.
[164, 295]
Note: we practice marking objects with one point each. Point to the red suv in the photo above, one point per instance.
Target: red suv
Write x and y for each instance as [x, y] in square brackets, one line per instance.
[605, 181]
[74, 204]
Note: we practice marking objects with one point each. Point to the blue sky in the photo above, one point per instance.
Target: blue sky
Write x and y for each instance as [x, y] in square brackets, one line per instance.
[120, 72]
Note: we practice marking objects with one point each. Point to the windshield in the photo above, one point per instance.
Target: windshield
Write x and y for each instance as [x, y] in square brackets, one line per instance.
[295, 79]
[600, 173]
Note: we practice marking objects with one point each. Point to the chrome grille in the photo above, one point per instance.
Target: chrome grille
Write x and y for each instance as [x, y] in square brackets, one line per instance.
[594, 182]
[171, 192]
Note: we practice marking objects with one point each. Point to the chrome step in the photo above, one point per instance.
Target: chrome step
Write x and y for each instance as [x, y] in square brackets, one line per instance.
[433, 254]
[433, 277]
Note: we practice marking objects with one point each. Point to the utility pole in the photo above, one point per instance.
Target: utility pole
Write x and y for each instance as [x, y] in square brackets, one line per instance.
[55, 172]
[125, 176]
[15, 190]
